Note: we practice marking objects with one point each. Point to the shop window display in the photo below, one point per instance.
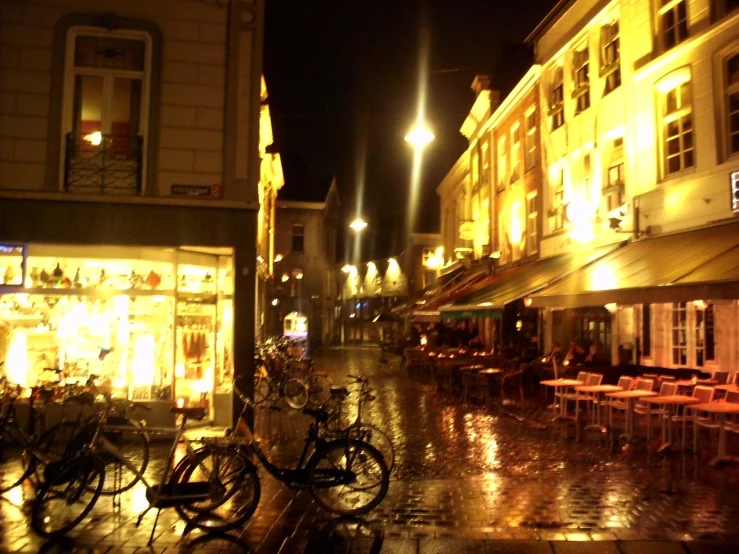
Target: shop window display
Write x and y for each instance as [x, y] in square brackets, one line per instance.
[153, 324]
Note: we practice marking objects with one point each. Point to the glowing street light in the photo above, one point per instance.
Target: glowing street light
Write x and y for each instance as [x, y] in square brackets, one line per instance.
[419, 136]
[278, 258]
[347, 268]
[358, 224]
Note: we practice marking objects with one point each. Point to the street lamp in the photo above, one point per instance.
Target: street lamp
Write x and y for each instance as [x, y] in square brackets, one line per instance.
[419, 136]
[358, 224]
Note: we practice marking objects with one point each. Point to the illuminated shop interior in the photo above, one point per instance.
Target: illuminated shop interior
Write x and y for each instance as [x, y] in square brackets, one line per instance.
[155, 324]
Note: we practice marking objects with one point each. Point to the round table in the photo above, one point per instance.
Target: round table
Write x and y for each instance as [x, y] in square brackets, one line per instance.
[630, 396]
[720, 408]
[668, 402]
[561, 384]
[596, 391]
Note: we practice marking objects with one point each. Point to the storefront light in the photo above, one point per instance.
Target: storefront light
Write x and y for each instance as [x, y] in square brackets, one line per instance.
[299, 275]
[94, 138]
[278, 258]
[285, 277]
[275, 301]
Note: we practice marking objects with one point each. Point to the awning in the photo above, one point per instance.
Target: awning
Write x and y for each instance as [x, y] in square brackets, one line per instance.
[473, 312]
[456, 288]
[426, 317]
[701, 264]
[518, 282]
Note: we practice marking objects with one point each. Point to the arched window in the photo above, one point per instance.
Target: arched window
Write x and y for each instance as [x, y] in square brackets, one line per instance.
[298, 244]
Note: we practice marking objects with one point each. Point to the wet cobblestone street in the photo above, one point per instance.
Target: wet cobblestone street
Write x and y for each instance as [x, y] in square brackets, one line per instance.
[462, 473]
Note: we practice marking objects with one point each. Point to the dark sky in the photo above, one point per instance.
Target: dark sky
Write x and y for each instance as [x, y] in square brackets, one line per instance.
[343, 84]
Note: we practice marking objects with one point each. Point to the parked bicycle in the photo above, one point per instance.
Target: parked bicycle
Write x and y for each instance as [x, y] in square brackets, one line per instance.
[73, 485]
[337, 426]
[345, 476]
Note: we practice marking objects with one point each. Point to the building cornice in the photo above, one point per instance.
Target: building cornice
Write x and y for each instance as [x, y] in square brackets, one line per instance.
[522, 88]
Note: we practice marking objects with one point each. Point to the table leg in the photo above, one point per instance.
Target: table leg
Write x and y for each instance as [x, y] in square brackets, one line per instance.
[665, 442]
[721, 456]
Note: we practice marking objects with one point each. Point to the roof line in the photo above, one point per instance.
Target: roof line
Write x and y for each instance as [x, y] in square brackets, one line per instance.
[548, 20]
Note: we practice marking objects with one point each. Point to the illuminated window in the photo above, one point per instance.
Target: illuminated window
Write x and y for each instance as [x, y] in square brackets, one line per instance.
[298, 243]
[732, 103]
[613, 192]
[530, 139]
[485, 162]
[610, 57]
[673, 16]
[677, 129]
[475, 170]
[556, 212]
[532, 224]
[680, 334]
[705, 335]
[556, 100]
[106, 91]
[581, 70]
[502, 164]
[515, 152]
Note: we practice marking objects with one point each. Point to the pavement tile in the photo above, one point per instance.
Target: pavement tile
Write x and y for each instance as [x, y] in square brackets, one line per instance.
[585, 548]
[451, 546]
[712, 547]
[652, 547]
[522, 547]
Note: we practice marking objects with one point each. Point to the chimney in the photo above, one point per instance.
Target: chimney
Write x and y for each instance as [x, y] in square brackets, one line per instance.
[480, 83]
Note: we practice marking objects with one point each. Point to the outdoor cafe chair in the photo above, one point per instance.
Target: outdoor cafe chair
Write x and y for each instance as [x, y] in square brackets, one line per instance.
[622, 405]
[705, 396]
[591, 379]
[642, 408]
[721, 377]
[514, 377]
[732, 423]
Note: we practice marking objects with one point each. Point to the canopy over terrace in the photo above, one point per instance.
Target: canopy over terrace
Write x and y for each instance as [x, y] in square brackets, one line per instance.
[518, 282]
[701, 264]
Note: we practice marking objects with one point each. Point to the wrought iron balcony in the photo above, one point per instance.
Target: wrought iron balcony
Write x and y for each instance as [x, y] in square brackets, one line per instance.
[103, 164]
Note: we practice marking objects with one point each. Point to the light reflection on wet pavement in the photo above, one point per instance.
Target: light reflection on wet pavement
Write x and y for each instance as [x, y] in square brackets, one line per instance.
[461, 471]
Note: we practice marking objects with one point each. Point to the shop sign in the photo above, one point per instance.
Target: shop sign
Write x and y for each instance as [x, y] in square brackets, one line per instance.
[735, 191]
[196, 190]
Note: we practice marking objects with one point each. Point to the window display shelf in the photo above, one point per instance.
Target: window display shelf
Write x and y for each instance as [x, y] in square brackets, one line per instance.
[85, 292]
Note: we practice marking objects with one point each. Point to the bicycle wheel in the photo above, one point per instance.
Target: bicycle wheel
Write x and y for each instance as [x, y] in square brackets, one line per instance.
[262, 388]
[234, 488]
[377, 438]
[12, 473]
[132, 445]
[50, 447]
[296, 393]
[348, 477]
[67, 495]
[319, 389]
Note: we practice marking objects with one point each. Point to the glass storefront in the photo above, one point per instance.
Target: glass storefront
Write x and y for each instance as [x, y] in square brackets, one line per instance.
[152, 324]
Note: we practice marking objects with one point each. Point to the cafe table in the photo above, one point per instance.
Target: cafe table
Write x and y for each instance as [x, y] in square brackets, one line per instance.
[721, 409]
[668, 402]
[562, 385]
[630, 396]
[727, 388]
[687, 383]
[596, 391]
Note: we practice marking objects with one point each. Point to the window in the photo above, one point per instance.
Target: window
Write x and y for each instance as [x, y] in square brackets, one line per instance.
[705, 335]
[674, 22]
[556, 213]
[475, 171]
[502, 164]
[530, 139]
[613, 192]
[679, 334]
[581, 70]
[298, 237]
[532, 224]
[646, 330]
[485, 162]
[732, 104]
[515, 152]
[677, 129]
[610, 57]
[556, 108]
[106, 93]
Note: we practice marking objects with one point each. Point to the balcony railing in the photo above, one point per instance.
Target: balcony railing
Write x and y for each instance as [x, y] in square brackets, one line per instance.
[103, 164]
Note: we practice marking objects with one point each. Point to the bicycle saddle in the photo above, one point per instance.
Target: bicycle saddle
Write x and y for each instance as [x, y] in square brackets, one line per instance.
[343, 392]
[320, 415]
[192, 413]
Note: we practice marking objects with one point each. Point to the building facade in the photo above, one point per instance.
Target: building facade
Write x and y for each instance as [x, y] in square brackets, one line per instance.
[643, 148]
[129, 172]
[304, 281]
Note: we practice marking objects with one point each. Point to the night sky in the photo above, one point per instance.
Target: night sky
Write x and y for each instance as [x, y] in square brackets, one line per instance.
[343, 84]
